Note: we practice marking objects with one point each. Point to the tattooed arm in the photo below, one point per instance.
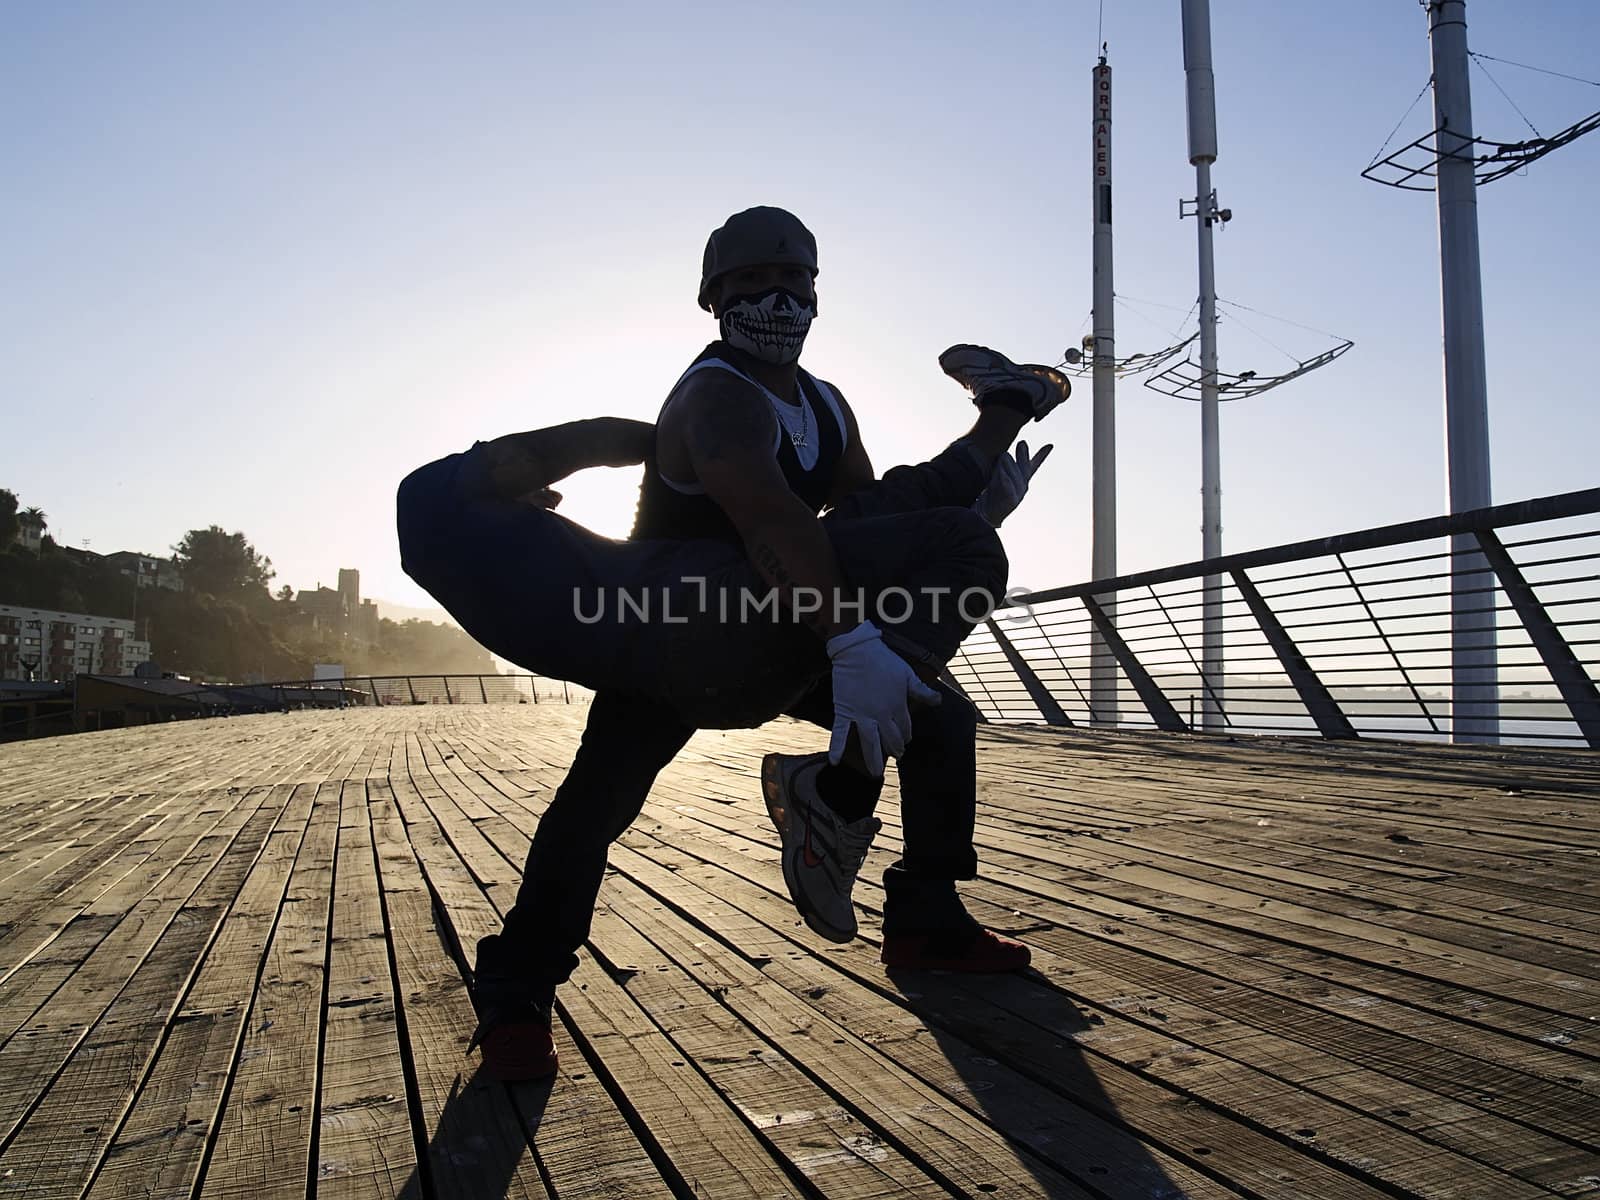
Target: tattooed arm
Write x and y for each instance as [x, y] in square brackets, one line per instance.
[728, 433]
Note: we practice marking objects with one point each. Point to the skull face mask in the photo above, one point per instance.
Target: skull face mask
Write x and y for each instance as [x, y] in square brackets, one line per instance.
[770, 325]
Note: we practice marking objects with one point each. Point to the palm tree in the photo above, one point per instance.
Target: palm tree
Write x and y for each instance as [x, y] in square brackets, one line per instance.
[33, 523]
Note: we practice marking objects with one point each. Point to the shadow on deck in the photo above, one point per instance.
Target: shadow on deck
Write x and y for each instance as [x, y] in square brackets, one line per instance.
[231, 965]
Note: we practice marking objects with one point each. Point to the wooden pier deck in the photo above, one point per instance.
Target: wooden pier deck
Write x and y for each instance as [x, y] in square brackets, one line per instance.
[230, 966]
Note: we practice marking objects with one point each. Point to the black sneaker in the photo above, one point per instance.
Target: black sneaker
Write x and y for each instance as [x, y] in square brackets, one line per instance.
[981, 370]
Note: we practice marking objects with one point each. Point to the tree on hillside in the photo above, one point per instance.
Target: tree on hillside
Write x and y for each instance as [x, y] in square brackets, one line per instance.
[224, 640]
[215, 562]
[9, 527]
[34, 522]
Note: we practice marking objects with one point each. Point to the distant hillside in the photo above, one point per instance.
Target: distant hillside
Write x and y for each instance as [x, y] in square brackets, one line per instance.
[401, 612]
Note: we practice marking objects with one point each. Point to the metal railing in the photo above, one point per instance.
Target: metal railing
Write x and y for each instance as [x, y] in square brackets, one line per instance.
[378, 690]
[1343, 637]
[69, 711]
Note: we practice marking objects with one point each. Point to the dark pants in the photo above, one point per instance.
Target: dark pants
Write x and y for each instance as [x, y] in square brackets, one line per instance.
[627, 742]
[524, 582]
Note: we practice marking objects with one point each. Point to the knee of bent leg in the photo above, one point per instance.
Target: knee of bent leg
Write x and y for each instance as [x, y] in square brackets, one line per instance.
[426, 517]
[975, 545]
[953, 717]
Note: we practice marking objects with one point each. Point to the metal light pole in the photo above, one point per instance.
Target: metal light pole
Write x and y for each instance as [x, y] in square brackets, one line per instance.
[1102, 665]
[1473, 672]
[1202, 153]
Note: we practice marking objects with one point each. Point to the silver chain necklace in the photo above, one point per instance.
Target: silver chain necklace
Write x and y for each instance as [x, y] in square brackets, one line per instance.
[796, 439]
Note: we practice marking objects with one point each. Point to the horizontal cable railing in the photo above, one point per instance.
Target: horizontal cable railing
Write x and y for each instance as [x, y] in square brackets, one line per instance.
[1343, 636]
[99, 702]
[377, 690]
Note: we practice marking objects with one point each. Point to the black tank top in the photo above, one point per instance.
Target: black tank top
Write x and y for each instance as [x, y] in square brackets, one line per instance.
[672, 509]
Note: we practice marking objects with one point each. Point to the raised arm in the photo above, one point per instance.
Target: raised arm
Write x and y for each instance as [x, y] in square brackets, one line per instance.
[729, 434]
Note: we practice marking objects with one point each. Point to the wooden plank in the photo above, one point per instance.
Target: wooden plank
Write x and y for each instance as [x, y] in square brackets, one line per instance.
[366, 1144]
[49, 884]
[685, 1015]
[809, 1124]
[46, 1037]
[694, 1136]
[1513, 1092]
[159, 1148]
[56, 1146]
[476, 1143]
[1480, 933]
[110, 889]
[705, 1147]
[868, 1125]
[1381, 1140]
[583, 1141]
[1372, 997]
[265, 1133]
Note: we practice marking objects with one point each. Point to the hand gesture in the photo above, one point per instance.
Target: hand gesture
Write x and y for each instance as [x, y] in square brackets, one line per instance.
[1009, 483]
[518, 475]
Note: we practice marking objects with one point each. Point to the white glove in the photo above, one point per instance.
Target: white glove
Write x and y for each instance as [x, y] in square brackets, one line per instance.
[1009, 484]
[872, 690]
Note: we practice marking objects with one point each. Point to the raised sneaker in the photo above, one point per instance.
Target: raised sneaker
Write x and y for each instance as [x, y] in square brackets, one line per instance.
[822, 852]
[981, 371]
[972, 949]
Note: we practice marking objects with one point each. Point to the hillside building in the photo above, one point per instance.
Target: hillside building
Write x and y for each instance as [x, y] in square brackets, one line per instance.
[41, 644]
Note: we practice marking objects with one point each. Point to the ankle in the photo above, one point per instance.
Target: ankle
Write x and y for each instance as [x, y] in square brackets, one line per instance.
[850, 794]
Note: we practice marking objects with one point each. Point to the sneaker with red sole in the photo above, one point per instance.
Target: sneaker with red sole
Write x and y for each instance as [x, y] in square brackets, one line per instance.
[513, 1029]
[977, 950]
[515, 1050]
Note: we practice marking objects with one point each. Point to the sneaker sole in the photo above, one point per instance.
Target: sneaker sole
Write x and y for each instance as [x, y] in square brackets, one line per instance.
[501, 1063]
[772, 793]
[969, 357]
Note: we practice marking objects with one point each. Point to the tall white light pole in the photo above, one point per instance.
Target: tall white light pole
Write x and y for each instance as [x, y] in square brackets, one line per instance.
[1202, 153]
[1102, 665]
[1473, 673]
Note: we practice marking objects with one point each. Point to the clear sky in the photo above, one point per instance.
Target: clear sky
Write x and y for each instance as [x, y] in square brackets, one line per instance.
[261, 260]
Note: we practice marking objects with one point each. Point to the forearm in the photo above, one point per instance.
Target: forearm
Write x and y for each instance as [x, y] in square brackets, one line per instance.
[792, 552]
[561, 450]
[519, 464]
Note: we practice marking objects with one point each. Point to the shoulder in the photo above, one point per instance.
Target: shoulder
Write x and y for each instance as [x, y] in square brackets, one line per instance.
[834, 398]
[715, 412]
[715, 390]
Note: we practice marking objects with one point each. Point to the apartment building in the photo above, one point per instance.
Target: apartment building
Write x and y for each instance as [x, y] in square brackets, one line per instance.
[43, 645]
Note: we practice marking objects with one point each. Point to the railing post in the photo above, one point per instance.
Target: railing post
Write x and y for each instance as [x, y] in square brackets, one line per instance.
[448, 698]
[482, 691]
[1155, 701]
[1574, 684]
[1319, 702]
[410, 687]
[1037, 692]
[376, 703]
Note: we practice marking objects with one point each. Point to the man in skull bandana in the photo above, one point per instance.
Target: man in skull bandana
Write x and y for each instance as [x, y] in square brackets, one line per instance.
[748, 449]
